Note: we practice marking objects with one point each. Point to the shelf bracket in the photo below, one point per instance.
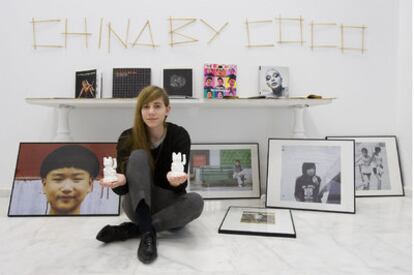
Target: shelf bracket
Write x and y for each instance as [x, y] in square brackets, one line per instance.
[299, 124]
[63, 129]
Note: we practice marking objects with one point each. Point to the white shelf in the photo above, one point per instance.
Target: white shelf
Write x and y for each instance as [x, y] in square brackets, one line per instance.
[65, 105]
[209, 103]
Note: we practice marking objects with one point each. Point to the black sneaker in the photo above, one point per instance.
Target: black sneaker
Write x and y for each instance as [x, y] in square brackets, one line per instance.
[122, 232]
[147, 250]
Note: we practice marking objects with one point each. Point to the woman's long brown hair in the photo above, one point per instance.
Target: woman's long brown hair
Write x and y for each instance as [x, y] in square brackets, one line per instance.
[140, 135]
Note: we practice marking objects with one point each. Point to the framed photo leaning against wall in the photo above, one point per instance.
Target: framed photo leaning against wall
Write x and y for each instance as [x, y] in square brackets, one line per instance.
[224, 170]
[377, 166]
[311, 174]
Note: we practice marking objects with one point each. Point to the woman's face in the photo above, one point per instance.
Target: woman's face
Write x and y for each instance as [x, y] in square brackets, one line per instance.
[154, 113]
[66, 188]
[273, 79]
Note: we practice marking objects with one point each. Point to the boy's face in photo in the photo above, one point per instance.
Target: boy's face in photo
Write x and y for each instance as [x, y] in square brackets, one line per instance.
[364, 153]
[208, 82]
[65, 189]
[231, 82]
[220, 81]
[310, 172]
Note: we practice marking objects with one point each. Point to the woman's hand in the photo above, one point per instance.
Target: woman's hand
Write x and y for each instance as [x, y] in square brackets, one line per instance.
[176, 180]
[112, 184]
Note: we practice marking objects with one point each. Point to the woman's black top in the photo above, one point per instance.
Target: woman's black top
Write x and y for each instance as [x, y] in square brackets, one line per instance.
[177, 140]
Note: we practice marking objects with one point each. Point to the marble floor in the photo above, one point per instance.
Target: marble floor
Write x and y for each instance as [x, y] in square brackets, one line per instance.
[376, 240]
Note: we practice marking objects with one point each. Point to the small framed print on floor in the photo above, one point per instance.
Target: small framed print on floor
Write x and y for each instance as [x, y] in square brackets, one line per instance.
[377, 166]
[62, 179]
[224, 170]
[311, 174]
[258, 221]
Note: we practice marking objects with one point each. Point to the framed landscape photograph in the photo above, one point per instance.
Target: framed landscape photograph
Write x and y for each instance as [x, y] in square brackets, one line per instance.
[258, 221]
[224, 170]
[62, 179]
[311, 174]
[377, 166]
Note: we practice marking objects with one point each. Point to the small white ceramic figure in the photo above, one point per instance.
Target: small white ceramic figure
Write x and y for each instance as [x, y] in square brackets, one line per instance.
[109, 169]
[177, 165]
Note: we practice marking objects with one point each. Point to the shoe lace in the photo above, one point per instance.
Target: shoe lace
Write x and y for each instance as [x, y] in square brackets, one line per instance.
[149, 240]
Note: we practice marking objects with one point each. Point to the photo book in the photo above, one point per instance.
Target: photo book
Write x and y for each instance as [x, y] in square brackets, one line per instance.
[88, 84]
[220, 80]
[273, 81]
[178, 82]
[128, 82]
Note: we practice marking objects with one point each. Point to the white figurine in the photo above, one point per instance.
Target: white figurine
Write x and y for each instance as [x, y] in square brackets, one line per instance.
[177, 166]
[109, 169]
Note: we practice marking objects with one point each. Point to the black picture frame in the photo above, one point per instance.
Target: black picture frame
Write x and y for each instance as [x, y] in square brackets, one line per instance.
[397, 159]
[265, 231]
[114, 197]
[226, 195]
[351, 193]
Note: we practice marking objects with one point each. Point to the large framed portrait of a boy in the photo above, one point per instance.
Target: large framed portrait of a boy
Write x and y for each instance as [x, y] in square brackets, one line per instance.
[224, 170]
[62, 179]
[377, 166]
[311, 174]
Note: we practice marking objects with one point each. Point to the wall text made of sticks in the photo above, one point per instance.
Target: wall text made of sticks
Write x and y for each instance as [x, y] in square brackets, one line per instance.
[343, 37]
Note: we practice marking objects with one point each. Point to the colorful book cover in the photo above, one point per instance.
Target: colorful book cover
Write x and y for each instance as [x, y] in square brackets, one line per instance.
[128, 82]
[273, 81]
[220, 80]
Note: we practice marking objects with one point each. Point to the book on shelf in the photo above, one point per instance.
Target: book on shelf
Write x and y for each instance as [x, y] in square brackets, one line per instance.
[178, 82]
[274, 81]
[128, 82]
[88, 84]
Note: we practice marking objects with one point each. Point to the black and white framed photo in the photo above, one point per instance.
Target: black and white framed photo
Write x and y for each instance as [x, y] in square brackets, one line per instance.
[377, 166]
[258, 221]
[311, 174]
[224, 170]
[178, 82]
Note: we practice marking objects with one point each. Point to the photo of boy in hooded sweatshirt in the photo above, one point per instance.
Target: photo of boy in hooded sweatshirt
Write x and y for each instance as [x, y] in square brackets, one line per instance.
[308, 184]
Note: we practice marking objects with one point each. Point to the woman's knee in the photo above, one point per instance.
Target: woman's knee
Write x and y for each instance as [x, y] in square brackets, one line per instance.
[197, 203]
[137, 158]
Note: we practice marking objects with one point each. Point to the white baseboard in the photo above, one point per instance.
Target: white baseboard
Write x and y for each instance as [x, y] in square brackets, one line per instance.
[4, 193]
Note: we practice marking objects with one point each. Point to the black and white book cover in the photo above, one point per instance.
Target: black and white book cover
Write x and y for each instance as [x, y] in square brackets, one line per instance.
[88, 84]
[128, 82]
[273, 81]
[178, 82]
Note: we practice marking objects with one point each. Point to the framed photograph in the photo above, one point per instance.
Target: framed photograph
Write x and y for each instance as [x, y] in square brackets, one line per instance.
[224, 170]
[274, 81]
[178, 82]
[258, 221]
[62, 179]
[377, 166]
[311, 174]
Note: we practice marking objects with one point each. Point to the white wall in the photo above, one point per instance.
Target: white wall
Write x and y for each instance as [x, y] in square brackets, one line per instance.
[371, 88]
